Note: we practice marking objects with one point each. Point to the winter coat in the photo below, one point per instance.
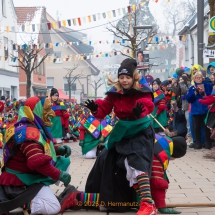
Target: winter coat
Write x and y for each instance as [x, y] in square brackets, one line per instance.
[123, 103]
[196, 107]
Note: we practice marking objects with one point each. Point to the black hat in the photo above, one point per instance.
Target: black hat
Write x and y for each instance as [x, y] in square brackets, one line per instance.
[127, 67]
[54, 92]
[10, 116]
[157, 81]
[179, 147]
[2, 97]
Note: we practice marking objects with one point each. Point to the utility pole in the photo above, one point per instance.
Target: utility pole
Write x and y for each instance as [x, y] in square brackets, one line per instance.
[200, 30]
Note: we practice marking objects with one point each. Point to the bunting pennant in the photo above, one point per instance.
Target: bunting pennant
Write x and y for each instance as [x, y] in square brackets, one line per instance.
[110, 14]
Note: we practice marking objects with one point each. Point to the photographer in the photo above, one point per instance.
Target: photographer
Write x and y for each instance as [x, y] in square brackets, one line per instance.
[198, 110]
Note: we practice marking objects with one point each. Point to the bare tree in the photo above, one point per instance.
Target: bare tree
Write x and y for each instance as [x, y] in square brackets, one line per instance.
[71, 79]
[124, 29]
[176, 13]
[28, 59]
[96, 85]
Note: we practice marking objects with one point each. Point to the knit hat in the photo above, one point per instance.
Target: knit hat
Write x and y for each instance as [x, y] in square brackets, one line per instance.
[156, 81]
[179, 147]
[175, 76]
[127, 67]
[179, 72]
[165, 83]
[10, 116]
[54, 92]
[2, 97]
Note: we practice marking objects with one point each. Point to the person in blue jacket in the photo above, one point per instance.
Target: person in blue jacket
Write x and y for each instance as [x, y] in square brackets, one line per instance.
[198, 110]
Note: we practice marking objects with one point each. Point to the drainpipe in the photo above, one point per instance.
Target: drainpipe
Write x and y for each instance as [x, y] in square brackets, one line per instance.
[88, 84]
[192, 44]
[200, 31]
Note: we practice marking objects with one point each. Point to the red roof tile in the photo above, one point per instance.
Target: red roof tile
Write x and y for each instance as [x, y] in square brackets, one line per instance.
[26, 14]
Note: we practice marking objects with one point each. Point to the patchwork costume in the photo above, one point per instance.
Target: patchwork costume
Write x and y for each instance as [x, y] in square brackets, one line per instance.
[60, 125]
[164, 149]
[125, 166]
[30, 163]
[92, 133]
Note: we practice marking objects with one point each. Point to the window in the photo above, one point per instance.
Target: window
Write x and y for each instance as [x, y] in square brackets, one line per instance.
[66, 86]
[50, 82]
[4, 8]
[5, 46]
[57, 56]
[41, 69]
[11, 43]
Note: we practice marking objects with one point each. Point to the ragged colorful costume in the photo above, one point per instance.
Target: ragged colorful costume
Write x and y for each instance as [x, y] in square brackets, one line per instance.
[60, 122]
[30, 161]
[164, 149]
[160, 111]
[94, 132]
[124, 166]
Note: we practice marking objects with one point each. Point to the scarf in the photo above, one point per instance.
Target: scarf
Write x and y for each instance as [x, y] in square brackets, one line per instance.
[158, 96]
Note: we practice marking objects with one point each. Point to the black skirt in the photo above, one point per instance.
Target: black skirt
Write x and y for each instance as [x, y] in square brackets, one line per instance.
[108, 175]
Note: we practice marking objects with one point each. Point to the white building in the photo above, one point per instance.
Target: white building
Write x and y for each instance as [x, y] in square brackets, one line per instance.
[9, 76]
[187, 53]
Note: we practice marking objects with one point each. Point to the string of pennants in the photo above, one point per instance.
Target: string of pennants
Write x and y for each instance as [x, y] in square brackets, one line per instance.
[77, 57]
[155, 41]
[79, 21]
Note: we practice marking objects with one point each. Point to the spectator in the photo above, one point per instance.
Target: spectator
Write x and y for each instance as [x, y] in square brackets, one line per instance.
[183, 82]
[198, 110]
[212, 78]
[211, 68]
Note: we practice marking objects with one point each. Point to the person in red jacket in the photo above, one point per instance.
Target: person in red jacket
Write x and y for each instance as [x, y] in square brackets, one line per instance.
[31, 163]
[130, 145]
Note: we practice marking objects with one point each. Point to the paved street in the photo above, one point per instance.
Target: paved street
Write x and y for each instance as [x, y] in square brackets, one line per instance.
[192, 180]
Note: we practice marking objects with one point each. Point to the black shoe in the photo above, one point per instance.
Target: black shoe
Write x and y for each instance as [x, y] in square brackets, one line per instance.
[68, 199]
[208, 146]
[198, 147]
[192, 145]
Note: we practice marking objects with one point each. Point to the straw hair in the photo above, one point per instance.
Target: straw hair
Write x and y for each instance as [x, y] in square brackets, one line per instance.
[116, 84]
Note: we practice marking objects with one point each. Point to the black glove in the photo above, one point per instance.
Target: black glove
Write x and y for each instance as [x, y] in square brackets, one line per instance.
[138, 109]
[90, 104]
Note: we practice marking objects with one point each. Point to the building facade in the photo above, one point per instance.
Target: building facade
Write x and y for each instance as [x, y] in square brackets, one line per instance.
[38, 77]
[187, 54]
[58, 69]
[9, 75]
